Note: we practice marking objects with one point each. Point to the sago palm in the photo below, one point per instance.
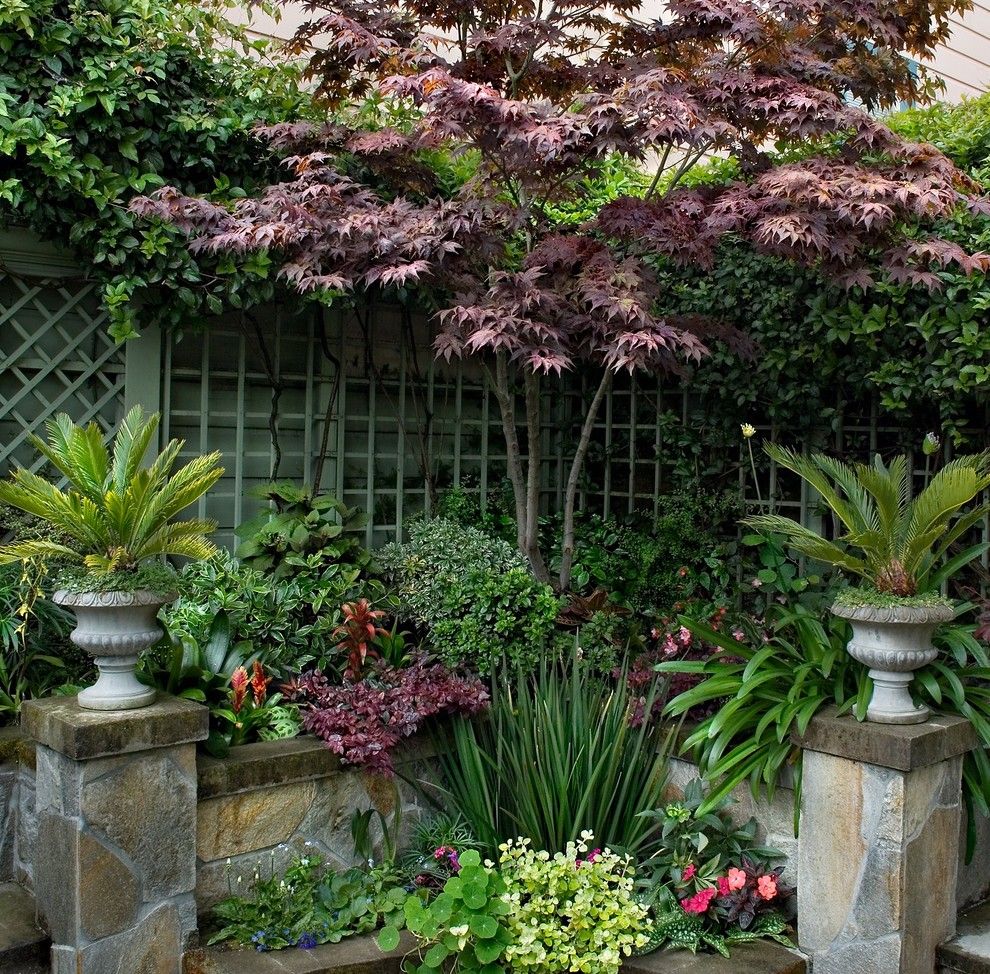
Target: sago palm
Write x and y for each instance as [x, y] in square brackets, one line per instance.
[895, 542]
[114, 513]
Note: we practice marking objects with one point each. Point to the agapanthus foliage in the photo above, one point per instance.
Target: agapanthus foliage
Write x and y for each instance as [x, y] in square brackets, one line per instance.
[538, 97]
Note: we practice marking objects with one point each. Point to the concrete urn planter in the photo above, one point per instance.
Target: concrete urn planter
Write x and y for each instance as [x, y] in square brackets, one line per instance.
[893, 641]
[115, 628]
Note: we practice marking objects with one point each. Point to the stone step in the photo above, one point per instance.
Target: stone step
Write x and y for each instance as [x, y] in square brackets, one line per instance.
[23, 944]
[360, 955]
[969, 951]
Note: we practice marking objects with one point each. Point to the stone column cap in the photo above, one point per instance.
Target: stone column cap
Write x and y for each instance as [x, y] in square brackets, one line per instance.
[902, 747]
[61, 724]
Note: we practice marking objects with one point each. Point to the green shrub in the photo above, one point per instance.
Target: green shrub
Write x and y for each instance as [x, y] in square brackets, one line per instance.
[651, 565]
[472, 595]
[304, 535]
[288, 623]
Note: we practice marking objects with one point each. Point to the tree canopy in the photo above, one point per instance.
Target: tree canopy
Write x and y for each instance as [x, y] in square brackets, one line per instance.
[540, 96]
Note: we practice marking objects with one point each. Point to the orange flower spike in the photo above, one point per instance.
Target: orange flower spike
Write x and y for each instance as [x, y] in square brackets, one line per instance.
[238, 688]
[259, 683]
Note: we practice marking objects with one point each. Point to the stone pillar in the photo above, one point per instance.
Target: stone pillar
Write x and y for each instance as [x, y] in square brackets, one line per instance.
[879, 842]
[115, 859]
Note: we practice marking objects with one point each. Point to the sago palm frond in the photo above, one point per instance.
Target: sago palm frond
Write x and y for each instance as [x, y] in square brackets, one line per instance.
[130, 445]
[185, 538]
[26, 550]
[808, 469]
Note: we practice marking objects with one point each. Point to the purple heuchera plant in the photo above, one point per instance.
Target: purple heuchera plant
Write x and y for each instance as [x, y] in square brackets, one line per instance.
[363, 722]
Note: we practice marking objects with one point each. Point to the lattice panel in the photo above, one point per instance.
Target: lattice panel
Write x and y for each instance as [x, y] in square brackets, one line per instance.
[55, 356]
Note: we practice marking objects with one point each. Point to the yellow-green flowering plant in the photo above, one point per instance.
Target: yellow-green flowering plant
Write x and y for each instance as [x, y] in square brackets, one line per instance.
[571, 911]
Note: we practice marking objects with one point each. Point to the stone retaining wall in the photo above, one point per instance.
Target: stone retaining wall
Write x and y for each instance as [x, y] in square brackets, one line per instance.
[18, 822]
[266, 801]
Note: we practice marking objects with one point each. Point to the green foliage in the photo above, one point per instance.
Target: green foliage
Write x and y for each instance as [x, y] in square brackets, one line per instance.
[390, 828]
[107, 100]
[115, 513]
[310, 905]
[894, 541]
[472, 594]
[288, 621]
[677, 930]
[571, 911]
[695, 835]
[462, 929]
[303, 535]
[767, 688]
[923, 354]
[776, 576]
[203, 671]
[559, 751]
[35, 654]
[960, 130]
[764, 693]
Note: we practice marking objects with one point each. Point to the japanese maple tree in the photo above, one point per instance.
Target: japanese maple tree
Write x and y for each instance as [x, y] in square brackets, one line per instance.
[534, 96]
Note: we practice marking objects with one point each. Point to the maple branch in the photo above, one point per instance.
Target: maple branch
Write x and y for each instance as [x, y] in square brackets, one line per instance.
[513, 457]
[275, 380]
[570, 492]
[321, 457]
[534, 462]
[661, 169]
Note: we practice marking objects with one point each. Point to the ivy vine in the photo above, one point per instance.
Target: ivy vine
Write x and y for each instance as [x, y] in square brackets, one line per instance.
[103, 100]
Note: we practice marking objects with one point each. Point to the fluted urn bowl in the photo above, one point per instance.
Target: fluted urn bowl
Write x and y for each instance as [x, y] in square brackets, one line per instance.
[893, 641]
[115, 628]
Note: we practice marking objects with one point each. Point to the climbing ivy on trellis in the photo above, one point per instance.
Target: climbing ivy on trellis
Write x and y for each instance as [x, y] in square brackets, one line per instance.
[102, 100]
[923, 356]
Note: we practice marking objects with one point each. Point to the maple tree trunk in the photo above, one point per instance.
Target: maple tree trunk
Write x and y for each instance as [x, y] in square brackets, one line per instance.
[570, 493]
[513, 458]
[525, 479]
[534, 463]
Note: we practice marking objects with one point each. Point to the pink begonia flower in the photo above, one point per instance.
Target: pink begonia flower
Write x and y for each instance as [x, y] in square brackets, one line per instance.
[766, 886]
[689, 871]
[685, 636]
[737, 878]
[700, 901]
[723, 886]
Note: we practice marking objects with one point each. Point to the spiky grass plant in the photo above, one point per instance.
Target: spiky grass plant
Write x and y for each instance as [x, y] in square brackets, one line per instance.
[561, 750]
[114, 513]
[897, 544]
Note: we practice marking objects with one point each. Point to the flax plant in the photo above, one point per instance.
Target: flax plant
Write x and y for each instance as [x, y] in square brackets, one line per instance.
[560, 751]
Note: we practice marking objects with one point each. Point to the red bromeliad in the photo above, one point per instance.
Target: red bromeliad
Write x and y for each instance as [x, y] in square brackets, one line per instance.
[359, 630]
[539, 96]
[238, 688]
[259, 683]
